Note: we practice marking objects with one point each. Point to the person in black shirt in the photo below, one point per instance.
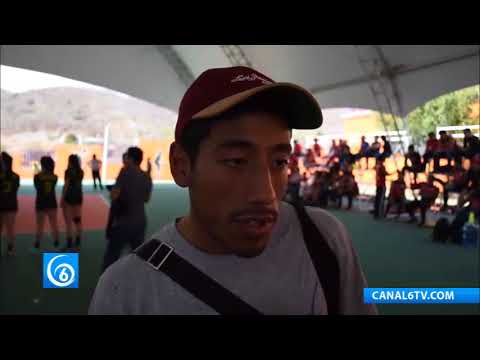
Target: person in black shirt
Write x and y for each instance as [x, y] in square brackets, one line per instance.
[416, 163]
[46, 201]
[471, 144]
[387, 148]
[9, 184]
[72, 198]
[132, 190]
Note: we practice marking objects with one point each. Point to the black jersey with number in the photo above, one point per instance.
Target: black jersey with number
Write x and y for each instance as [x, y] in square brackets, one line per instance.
[45, 186]
[73, 180]
[9, 184]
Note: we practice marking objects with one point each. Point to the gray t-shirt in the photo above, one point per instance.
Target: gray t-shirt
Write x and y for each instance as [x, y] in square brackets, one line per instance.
[135, 186]
[281, 280]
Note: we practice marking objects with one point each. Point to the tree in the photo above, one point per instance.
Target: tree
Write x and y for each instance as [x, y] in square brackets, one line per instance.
[71, 139]
[447, 110]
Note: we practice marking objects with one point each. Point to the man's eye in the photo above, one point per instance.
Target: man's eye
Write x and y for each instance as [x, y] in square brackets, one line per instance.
[234, 162]
[281, 163]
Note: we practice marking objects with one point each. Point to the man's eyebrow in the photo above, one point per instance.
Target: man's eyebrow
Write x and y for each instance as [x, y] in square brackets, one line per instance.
[234, 144]
[285, 148]
[247, 145]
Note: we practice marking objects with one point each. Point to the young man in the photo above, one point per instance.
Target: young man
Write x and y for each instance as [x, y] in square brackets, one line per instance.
[231, 149]
[96, 165]
[132, 190]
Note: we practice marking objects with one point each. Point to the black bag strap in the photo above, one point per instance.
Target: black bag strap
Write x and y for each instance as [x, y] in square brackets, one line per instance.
[162, 257]
[323, 258]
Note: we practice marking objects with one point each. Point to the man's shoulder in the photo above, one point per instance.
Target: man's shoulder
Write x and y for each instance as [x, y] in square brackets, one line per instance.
[332, 229]
[126, 271]
[131, 266]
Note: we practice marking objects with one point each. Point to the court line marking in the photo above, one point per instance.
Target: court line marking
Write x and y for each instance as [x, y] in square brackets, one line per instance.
[104, 200]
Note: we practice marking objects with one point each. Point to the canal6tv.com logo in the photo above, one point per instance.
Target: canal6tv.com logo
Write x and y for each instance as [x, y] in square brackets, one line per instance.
[60, 270]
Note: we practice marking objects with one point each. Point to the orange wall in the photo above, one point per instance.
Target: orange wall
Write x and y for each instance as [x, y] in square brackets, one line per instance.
[61, 152]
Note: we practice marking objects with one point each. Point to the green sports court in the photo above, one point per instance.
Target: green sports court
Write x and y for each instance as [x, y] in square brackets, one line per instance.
[392, 254]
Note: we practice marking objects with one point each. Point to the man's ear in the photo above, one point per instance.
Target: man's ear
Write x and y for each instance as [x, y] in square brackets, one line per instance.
[180, 165]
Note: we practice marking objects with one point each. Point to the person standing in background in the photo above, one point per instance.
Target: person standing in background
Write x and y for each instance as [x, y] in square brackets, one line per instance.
[128, 220]
[96, 165]
[72, 199]
[46, 201]
[9, 184]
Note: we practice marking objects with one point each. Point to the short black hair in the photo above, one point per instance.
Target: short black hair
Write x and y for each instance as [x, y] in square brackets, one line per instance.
[136, 154]
[74, 161]
[443, 132]
[7, 161]
[47, 163]
[411, 147]
[431, 133]
[198, 130]
[467, 130]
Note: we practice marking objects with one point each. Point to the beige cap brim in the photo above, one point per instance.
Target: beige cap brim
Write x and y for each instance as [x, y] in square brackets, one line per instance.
[301, 108]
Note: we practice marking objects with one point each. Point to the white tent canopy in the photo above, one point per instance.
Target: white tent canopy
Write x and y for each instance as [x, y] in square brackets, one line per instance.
[338, 75]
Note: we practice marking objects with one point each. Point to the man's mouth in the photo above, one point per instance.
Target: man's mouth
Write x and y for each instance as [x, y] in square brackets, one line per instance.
[256, 224]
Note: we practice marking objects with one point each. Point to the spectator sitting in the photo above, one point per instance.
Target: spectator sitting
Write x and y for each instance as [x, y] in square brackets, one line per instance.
[294, 180]
[364, 146]
[445, 150]
[458, 183]
[473, 174]
[431, 148]
[428, 194]
[320, 189]
[310, 160]
[461, 217]
[416, 163]
[471, 144]
[333, 153]
[346, 186]
[297, 149]
[292, 161]
[397, 194]
[305, 188]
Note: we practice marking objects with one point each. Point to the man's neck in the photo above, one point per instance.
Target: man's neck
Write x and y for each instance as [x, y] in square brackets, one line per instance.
[193, 232]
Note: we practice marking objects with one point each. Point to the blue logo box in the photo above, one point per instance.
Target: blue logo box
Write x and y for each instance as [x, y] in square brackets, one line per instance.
[60, 270]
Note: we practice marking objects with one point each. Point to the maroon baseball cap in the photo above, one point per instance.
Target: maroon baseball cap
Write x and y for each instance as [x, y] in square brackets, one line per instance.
[218, 90]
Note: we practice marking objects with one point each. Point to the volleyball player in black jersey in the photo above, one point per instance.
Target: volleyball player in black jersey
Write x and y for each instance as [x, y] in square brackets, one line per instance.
[46, 200]
[72, 199]
[9, 184]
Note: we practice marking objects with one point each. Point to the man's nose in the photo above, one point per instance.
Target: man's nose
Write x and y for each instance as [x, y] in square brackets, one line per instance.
[260, 185]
